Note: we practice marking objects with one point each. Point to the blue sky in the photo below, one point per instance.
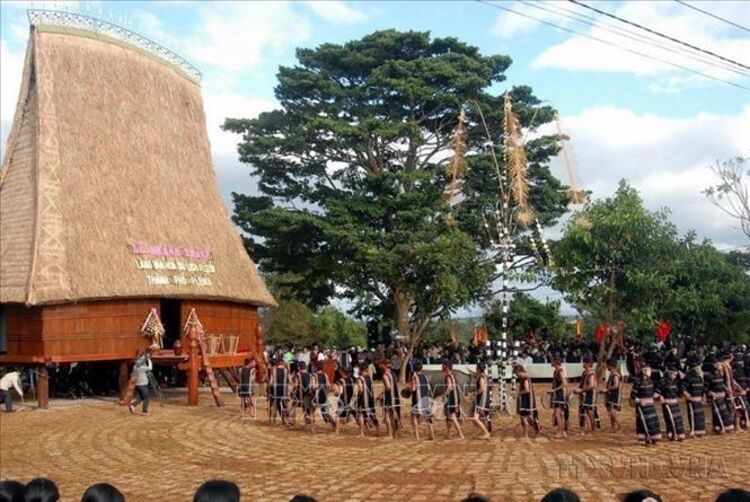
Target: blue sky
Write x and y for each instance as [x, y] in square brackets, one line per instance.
[627, 116]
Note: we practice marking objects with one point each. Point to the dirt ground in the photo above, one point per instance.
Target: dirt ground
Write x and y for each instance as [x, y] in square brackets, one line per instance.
[168, 454]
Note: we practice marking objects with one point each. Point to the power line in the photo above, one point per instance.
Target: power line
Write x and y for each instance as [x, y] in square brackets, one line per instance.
[710, 14]
[630, 34]
[659, 34]
[611, 44]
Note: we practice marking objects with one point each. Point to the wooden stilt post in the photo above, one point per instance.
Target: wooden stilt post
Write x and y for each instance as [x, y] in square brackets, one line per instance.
[42, 390]
[123, 379]
[193, 368]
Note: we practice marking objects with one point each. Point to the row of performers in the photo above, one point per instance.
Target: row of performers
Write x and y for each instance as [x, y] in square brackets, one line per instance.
[356, 399]
[725, 391]
[724, 388]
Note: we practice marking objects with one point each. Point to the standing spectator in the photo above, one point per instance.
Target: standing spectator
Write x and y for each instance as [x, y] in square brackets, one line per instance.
[12, 379]
[142, 366]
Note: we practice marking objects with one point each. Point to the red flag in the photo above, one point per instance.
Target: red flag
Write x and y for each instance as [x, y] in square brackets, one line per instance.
[663, 331]
[600, 333]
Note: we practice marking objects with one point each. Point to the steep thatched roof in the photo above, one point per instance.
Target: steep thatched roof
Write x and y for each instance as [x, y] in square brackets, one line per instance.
[107, 189]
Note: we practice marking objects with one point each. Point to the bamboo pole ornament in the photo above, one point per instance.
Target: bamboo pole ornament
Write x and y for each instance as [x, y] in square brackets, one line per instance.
[516, 165]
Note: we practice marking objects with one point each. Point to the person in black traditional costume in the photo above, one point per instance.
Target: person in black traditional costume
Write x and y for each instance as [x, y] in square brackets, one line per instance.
[587, 410]
[526, 402]
[391, 399]
[559, 398]
[642, 397]
[452, 405]
[345, 387]
[613, 392]
[483, 401]
[321, 397]
[366, 416]
[669, 390]
[279, 384]
[693, 388]
[245, 388]
[420, 400]
[304, 385]
[721, 416]
[739, 376]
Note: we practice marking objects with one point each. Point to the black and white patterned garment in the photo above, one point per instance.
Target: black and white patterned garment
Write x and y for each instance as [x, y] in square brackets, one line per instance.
[693, 385]
[669, 388]
[646, 420]
[345, 408]
[613, 390]
[452, 397]
[740, 395]
[420, 398]
[721, 416]
[391, 397]
[526, 404]
[321, 397]
[366, 400]
[247, 377]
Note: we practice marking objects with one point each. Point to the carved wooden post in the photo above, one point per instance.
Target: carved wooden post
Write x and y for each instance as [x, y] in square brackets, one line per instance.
[42, 390]
[193, 368]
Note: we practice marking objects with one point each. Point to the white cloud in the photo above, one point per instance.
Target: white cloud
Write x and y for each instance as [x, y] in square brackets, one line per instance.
[508, 24]
[221, 105]
[667, 159]
[237, 36]
[336, 11]
[581, 53]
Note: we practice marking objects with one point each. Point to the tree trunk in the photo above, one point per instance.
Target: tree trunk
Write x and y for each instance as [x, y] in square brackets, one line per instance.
[605, 353]
[401, 319]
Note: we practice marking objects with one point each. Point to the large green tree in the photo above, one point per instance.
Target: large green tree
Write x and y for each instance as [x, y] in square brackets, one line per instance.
[352, 173]
[611, 260]
[709, 294]
[618, 261]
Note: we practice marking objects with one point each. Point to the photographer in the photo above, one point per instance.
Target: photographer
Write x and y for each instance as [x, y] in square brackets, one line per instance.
[141, 368]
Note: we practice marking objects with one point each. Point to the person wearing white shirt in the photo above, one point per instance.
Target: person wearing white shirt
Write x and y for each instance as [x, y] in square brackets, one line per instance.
[8, 381]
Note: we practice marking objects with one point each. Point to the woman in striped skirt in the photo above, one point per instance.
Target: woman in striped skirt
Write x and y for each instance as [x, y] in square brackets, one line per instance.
[614, 380]
[391, 399]
[366, 402]
[483, 402]
[559, 391]
[740, 392]
[526, 403]
[245, 388]
[321, 397]
[642, 396]
[452, 401]
[420, 400]
[669, 389]
[721, 417]
[693, 389]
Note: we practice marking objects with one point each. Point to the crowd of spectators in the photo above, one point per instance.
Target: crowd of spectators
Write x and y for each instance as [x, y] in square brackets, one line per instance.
[530, 350]
[217, 490]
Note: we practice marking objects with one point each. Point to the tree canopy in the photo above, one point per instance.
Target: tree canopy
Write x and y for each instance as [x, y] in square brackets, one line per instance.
[352, 174]
[618, 261]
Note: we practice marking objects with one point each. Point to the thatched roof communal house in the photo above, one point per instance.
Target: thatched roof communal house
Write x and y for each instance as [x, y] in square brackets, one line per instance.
[109, 205]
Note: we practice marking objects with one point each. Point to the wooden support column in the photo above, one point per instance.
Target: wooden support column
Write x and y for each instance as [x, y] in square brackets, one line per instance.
[193, 368]
[123, 378]
[42, 389]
